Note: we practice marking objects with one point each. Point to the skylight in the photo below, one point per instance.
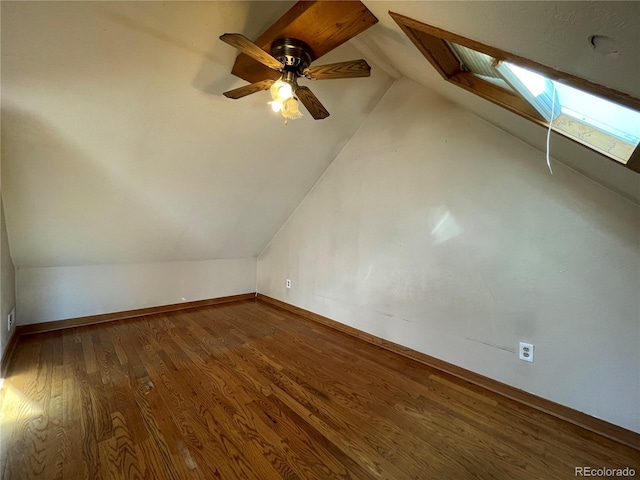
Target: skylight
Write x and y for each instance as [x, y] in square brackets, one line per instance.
[479, 64]
[601, 124]
[607, 116]
[602, 119]
[604, 126]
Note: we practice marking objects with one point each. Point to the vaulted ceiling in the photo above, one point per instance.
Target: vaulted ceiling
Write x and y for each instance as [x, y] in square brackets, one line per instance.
[118, 147]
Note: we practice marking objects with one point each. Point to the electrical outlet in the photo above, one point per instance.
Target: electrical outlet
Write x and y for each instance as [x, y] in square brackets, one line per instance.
[526, 352]
[11, 318]
[288, 283]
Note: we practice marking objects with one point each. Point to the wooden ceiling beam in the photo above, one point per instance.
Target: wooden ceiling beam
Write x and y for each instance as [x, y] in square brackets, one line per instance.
[323, 25]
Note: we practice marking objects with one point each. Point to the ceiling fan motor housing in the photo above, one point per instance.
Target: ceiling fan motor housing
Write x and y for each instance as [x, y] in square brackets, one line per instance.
[293, 53]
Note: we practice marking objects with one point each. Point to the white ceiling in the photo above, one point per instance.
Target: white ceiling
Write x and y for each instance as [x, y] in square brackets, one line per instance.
[117, 146]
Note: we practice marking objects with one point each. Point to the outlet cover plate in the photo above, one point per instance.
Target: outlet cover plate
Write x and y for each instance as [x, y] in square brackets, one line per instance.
[11, 319]
[526, 352]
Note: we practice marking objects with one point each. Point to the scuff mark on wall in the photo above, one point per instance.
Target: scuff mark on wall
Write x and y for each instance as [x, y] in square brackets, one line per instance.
[501, 347]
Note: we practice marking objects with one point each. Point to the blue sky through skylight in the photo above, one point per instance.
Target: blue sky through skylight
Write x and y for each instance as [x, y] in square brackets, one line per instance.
[609, 117]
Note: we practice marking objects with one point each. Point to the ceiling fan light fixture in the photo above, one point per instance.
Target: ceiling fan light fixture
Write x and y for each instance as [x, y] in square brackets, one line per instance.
[284, 101]
[281, 90]
[291, 109]
[292, 59]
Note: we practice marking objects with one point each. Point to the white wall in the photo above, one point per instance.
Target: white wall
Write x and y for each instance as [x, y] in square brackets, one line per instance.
[56, 293]
[437, 231]
[7, 285]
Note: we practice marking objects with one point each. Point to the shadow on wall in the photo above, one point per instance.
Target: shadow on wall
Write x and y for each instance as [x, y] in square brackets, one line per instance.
[63, 205]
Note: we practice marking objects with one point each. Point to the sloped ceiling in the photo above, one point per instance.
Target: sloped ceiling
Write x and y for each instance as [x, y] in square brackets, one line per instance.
[118, 147]
[552, 33]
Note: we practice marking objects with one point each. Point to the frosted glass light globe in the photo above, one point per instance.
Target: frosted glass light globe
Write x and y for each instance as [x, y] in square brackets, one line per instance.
[291, 109]
[275, 106]
[280, 91]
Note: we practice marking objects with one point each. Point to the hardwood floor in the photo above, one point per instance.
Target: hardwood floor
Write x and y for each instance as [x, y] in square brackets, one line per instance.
[249, 391]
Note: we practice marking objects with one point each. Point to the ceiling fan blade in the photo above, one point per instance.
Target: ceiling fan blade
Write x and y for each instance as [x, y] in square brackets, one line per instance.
[321, 25]
[249, 89]
[245, 45]
[351, 69]
[311, 102]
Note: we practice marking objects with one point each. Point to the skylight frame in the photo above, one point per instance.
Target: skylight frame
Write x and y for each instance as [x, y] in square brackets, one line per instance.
[432, 43]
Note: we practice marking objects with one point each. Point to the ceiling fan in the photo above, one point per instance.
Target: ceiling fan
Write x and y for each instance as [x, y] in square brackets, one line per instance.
[292, 59]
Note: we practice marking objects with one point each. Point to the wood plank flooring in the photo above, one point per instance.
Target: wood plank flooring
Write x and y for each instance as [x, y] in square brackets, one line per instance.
[249, 391]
